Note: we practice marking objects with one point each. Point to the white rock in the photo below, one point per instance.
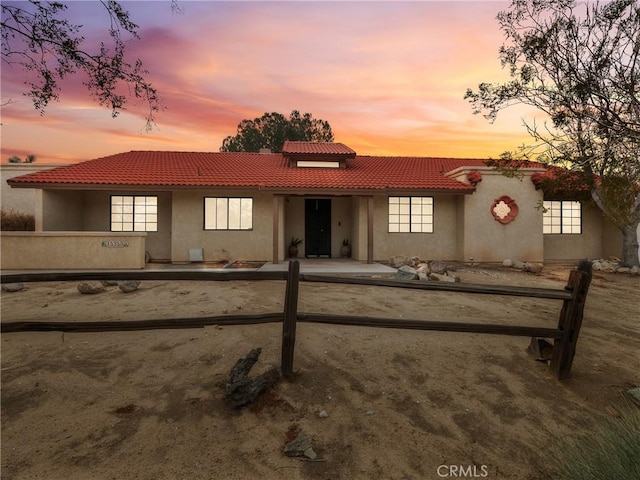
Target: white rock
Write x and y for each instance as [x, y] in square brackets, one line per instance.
[507, 262]
[444, 278]
[406, 272]
[533, 267]
[13, 287]
[323, 414]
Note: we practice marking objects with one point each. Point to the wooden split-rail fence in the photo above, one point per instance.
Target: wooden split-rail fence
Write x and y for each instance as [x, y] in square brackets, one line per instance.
[564, 335]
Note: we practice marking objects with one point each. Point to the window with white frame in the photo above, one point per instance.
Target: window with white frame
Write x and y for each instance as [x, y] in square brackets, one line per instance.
[134, 213]
[562, 217]
[224, 213]
[411, 214]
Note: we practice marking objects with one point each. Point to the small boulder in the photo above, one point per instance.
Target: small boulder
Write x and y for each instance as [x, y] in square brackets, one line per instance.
[517, 264]
[424, 269]
[13, 287]
[88, 288]
[300, 447]
[596, 265]
[406, 272]
[438, 266]
[439, 277]
[533, 267]
[109, 283]
[397, 261]
[507, 262]
[128, 286]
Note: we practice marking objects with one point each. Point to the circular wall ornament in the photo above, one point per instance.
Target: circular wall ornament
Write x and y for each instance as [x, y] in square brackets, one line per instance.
[504, 209]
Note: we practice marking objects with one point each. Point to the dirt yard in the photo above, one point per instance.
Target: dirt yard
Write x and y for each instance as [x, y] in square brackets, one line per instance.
[399, 404]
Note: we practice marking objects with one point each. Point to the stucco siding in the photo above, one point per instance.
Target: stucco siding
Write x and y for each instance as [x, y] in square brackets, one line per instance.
[230, 245]
[441, 244]
[599, 239]
[97, 217]
[72, 250]
[20, 200]
[485, 239]
[62, 211]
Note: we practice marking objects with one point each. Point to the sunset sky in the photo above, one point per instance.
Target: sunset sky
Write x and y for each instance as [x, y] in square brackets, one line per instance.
[388, 76]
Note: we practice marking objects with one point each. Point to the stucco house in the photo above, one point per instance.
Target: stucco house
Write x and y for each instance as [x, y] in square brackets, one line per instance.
[248, 206]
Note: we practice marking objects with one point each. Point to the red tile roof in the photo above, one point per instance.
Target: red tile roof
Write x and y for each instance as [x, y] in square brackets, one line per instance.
[251, 170]
[321, 148]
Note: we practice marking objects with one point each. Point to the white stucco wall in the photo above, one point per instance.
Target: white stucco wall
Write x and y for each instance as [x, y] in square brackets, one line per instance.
[441, 244]
[188, 228]
[598, 238]
[20, 199]
[487, 240]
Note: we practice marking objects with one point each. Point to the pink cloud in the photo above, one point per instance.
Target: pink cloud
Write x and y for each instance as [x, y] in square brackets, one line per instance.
[388, 76]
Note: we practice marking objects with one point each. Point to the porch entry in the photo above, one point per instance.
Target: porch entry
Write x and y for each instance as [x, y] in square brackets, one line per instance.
[317, 227]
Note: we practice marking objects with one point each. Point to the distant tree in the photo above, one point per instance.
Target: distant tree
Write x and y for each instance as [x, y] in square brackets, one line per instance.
[28, 159]
[580, 64]
[36, 37]
[273, 129]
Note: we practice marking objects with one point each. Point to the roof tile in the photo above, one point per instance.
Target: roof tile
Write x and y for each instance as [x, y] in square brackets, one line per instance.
[253, 170]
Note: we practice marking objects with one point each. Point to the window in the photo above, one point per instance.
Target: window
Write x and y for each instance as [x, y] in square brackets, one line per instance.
[223, 213]
[562, 217]
[134, 213]
[411, 214]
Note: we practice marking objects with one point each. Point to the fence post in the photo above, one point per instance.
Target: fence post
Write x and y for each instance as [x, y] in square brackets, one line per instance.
[290, 317]
[570, 320]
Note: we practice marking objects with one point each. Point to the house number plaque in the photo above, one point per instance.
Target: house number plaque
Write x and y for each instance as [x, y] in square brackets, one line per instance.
[115, 243]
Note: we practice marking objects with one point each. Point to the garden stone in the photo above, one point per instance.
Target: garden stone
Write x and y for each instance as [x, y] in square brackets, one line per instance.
[13, 287]
[128, 286]
[533, 267]
[397, 261]
[438, 266]
[87, 288]
[517, 264]
[406, 272]
[444, 278]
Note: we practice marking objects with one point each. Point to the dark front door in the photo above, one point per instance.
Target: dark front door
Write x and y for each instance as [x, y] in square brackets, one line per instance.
[317, 227]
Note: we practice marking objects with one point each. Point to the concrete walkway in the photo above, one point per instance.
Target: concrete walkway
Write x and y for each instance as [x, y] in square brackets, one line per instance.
[331, 266]
[327, 266]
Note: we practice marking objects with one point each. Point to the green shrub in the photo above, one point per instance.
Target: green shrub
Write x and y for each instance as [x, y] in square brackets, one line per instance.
[12, 221]
[610, 452]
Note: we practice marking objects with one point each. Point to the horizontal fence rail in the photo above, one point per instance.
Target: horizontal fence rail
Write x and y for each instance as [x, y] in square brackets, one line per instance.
[565, 336]
[446, 287]
[435, 325]
[227, 275]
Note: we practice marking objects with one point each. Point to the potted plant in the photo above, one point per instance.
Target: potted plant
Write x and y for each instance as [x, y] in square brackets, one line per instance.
[345, 251]
[293, 246]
